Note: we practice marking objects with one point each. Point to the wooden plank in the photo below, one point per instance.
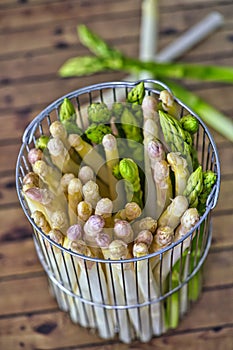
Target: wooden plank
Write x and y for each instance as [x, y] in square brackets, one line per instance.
[31, 329]
[19, 258]
[59, 12]
[14, 225]
[32, 295]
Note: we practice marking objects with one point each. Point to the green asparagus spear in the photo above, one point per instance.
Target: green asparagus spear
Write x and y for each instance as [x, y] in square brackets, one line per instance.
[137, 94]
[194, 187]
[209, 179]
[129, 171]
[189, 123]
[176, 137]
[95, 132]
[98, 113]
[42, 142]
[67, 116]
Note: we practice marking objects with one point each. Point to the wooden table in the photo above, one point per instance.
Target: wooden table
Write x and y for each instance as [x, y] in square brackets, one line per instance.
[36, 37]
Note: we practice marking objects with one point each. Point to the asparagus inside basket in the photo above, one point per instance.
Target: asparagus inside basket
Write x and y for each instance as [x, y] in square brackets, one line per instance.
[123, 184]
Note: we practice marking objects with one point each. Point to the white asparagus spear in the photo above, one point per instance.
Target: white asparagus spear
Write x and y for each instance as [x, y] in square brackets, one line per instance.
[188, 220]
[104, 207]
[34, 155]
[55, 264]
[112, 158]
[124, 289]
[130, 212]
[50, 176]
[149, 290]
[64, 182]
[146, 223]
[92, 227]
[59, 221]
[84, 211]
[77, 309]
[163, 237]
[89, 155]
[123, 231]
[86, 174]
[61, 158]
[179, 166]
[163, 185]
[93, 287]
[74, 197]
[91, 193]
[172, 215]
[170, 257]
[169, 104]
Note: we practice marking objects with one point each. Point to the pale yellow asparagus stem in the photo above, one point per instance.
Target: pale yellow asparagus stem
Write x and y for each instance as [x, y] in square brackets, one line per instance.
[112, 158]
[61, 158]
[89, 155]
[57, 130]
[172, 215]
[169, 105]
[84, 211]
[41, 221]
[163, 237]
[59, 221]
[163, 186]
[38, 199]
[93, 287]
[86, 174]
[50, 176]
[130, 212]
[74, 197]
[147, 223]
[179, 166]
[149, 289]
[91, 193]
[64, 182]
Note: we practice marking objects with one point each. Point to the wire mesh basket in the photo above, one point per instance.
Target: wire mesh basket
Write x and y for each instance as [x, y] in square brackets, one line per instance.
[124, 298]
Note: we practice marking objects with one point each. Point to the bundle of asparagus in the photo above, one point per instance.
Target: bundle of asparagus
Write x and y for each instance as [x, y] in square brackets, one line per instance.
[125, 187]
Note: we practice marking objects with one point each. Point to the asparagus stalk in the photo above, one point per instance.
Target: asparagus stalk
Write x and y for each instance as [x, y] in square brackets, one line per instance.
[161, 173]
[64, 182]
[34, 155]
[125, 292]
[86, 174]
[172, 215]
[149, 290]
[150, 131]
[209, 179]
[93, 287]
[89, 155]
[74, 197]
[175, 137]
[123, 231]
[61, 158]
[49, 175]
[162, 238]
[180, 168]
[194, 187]
[84, 211]
[169, 105]
[91, 193]
[146, 223]
[129, 171]
[104, 208]
[112, 158]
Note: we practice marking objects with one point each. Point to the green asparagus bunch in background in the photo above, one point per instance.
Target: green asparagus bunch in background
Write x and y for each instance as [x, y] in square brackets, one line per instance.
[109, 58]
